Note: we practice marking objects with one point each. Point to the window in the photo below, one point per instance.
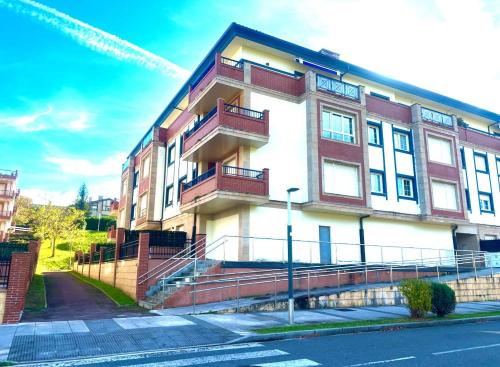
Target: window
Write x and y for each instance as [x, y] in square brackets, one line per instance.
[171, 155]
[444, 195]
[490, 237]
[485, 202]
[374, 135]
[377, 183]
[406, 188]
[179, 186]
[337, 127]
[341, 179]
[124, 187]
[146, 162]
[481, 162]
[169, 196]
[402, 141]
[132, 211]
[181, 144]
[143, 205]
[467, 200]
[439, 150]
[136, 179]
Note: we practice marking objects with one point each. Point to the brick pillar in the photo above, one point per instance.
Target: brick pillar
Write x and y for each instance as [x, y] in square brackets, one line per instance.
[33, 249]
[19, 277]
[101, 260]
[92, 248]
[142, 264]
[120, 239]
[265, 174]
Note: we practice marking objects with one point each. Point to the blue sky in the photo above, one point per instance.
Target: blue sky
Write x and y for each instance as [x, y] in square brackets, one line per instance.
[71, 108]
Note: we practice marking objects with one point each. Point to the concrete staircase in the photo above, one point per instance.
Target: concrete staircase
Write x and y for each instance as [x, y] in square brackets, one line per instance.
[159, 292]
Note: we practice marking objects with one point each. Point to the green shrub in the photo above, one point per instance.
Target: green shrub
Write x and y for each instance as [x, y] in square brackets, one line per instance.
[418, 295]
[443, 299]
[104, 224]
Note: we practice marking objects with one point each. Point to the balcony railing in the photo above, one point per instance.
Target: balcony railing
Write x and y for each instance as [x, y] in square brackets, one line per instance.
[242, 172]
[5, 173]
[337, 87]
[198, 124]
[5, 214]
[230, 62]
[129, 250]
[437, 117]
[243, 111]
[8, 193]
[200, 178]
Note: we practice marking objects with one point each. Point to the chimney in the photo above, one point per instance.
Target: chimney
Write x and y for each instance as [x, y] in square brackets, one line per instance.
[326, 52]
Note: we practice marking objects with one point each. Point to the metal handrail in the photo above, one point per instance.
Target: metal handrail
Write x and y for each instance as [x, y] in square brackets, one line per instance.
[242, 172]
[198, 124]
[152, 272]
[200, 178]
[437, 117]
[317, 274]
[243, 111]
[428, 262]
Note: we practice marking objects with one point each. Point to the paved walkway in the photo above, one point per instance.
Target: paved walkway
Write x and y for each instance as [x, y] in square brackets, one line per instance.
[84, 338]
[70, 299]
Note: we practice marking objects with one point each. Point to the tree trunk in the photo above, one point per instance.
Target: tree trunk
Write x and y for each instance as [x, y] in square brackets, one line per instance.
[53, 246]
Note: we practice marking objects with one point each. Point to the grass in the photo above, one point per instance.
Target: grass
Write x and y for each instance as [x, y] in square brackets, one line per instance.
[345, 324]
[35, 298]
[64, 252]
[115, 294]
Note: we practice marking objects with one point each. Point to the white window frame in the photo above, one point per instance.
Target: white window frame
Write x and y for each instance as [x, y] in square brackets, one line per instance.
[341, 136]
[443, 156]
[377, 133]
[412, 187]
[489, 201]
[397, 141]
[146, 165]
[379, 181]
[338, 193]
[456, 201]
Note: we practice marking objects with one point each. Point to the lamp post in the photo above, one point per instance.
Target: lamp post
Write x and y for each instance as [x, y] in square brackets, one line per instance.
[290, 256]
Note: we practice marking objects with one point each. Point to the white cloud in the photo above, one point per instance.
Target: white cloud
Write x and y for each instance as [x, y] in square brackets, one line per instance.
[40, 196]
[94, 38]
[445, 45]
[85, 168]
[48, 119]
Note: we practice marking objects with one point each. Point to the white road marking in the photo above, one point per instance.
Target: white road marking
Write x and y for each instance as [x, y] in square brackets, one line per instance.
[142, 355]
[294, 363]
[466, 349]
[382, 362]
[214, 359]
[153, 321]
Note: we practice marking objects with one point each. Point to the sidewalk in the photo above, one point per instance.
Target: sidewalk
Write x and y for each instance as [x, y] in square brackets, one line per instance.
[78, 338]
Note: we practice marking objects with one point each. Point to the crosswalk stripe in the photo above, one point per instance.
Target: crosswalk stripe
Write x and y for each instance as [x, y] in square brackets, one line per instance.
[294, 363]
[142, 355]
[214, 359]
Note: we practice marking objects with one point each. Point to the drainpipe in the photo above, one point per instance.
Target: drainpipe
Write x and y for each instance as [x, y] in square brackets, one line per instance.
[454, 235]
[362, 238]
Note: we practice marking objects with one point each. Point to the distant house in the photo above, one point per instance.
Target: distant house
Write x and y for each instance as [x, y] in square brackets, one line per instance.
[103, 206]
[8, 195]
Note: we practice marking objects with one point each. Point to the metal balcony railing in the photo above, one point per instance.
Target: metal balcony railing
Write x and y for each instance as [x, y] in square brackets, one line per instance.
[437, 117]
[243, 111]
[198, 124]
[242, 172]
[230, 62]
[129, 250]
[337, 87]
[199, 178]
[5, 214]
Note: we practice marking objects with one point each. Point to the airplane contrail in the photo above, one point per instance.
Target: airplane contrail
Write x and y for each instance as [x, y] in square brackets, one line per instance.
[94, 38]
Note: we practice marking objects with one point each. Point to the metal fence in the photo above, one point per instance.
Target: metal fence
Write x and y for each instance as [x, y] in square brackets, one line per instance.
[4, 273]
[437, 117]
[163, 252]
[337, 87]
[242, 172]
[243, 111]
[195, 181]
[198, 124]
[231, 62]
[129, 250]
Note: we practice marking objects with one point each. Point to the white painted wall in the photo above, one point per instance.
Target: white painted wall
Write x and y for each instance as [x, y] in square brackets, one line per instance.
[217, 228]
[286, 152]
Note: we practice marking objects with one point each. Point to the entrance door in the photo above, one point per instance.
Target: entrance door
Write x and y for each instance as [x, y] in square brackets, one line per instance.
[325, 247]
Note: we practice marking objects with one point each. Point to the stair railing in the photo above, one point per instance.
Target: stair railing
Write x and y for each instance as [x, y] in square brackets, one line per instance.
[184, 258]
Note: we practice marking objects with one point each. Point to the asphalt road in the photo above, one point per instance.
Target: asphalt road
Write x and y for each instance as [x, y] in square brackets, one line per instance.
[459, 345]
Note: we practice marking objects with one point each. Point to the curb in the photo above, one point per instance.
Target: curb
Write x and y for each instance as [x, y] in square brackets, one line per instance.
[358, 329]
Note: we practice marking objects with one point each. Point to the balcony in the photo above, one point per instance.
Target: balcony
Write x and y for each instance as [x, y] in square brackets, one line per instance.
[6, 214]
[8, 174]
[223, 187]
[216, 83]
[478, 137]
[8, 194]
[437, 117]
[337, 87]
[222, 130]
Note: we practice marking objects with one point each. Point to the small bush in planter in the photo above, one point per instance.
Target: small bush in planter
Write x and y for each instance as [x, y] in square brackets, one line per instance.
[418, 295]
[443, 299]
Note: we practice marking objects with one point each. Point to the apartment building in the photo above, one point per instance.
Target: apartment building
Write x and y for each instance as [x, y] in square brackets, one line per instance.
[8, 195]
[376, 160]
[102, 206]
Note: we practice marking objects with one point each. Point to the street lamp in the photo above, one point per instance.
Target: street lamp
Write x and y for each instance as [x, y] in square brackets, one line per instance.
[290, 256]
